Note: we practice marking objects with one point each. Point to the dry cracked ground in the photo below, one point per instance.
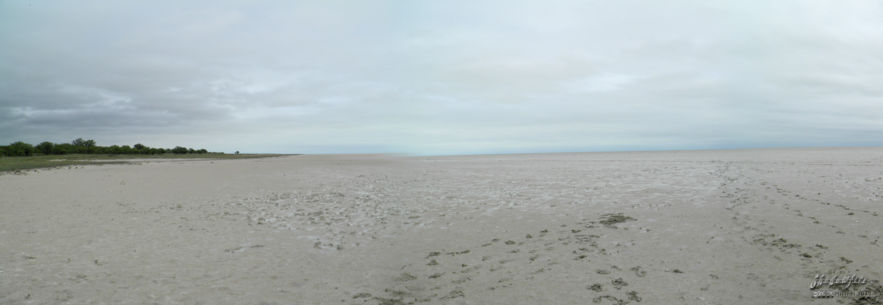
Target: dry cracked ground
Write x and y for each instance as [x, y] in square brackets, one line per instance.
[705, 227]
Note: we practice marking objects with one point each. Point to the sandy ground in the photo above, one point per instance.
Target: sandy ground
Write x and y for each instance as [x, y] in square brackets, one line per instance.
[711, 227]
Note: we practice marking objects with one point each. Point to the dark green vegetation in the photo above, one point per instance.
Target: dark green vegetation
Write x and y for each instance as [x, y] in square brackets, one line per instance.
[13, 164]
[80, 146]
[22, 156]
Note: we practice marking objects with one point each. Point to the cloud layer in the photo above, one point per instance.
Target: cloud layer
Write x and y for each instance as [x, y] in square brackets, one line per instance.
[443, 77]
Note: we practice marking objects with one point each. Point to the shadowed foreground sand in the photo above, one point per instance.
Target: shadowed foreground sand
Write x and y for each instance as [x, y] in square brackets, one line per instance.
[713, 227]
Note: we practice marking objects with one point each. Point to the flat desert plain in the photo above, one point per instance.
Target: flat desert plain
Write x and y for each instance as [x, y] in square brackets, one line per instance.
[680, 227]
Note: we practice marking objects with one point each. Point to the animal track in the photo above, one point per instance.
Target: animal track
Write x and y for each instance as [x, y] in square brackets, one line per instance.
[499, 262]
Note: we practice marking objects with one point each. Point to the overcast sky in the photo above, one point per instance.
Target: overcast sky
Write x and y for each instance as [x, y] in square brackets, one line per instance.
[443, 77]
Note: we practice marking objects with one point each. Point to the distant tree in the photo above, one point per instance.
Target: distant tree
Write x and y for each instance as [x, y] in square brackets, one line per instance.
[83, 143]
[20, 149]
[179, 150]
[63, 149]
[84, 146]
[45, 148]
[81, 146]
[237, 152]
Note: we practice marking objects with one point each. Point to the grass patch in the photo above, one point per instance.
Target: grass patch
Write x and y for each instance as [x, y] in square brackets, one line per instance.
[15, 164]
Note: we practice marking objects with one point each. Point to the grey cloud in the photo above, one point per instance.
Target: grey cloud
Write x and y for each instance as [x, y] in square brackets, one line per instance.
[443, 77]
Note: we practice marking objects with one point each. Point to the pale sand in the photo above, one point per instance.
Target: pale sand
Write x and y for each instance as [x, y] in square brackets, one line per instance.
[710, 227]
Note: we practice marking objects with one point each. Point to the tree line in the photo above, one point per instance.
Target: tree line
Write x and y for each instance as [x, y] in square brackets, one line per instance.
[80, 146]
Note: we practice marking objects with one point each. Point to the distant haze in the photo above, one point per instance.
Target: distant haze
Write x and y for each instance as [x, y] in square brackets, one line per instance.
[443, 77]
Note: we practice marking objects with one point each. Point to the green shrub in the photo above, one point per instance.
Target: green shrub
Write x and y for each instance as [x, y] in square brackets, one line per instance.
[20, 149]
[45, 148]
[81, 146]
